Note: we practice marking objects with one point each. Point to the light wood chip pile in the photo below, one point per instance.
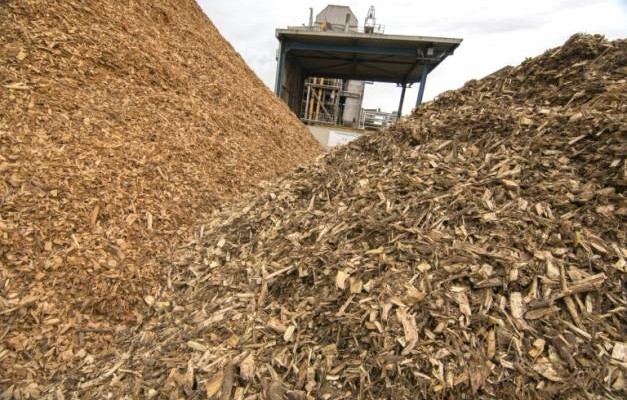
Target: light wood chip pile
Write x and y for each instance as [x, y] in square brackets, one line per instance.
[476, 250]
[121, 125]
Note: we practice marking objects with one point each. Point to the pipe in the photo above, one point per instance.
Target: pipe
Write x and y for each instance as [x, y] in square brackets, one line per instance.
[310, 17]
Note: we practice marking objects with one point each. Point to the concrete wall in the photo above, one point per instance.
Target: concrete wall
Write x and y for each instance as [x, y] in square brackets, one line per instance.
[352, 106]
[329, 137]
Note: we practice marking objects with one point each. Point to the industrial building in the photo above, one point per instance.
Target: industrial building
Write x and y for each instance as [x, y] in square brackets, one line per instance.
[323, 66]
[332, 101]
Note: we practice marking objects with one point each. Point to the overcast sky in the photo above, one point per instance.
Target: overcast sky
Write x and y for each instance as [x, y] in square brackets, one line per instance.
[496, 33]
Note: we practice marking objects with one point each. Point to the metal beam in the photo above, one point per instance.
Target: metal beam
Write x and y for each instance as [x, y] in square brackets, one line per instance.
[382, 71]
[334, 65]
[381, 57]
[357, 77]
[409, 71]
[423, 82]
[297, 34]
[391, 51]
[400, 105]
[360, 60]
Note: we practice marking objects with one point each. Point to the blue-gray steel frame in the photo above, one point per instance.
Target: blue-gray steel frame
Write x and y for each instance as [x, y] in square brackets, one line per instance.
[425, 62]
[423, 82]
[400, 105]
[279, 70]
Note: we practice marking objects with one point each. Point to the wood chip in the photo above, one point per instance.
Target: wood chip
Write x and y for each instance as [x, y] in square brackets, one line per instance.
[121, 127]
[521, 299]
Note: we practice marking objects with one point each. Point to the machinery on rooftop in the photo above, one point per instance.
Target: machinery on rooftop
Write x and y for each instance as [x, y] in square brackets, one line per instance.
[371, 21]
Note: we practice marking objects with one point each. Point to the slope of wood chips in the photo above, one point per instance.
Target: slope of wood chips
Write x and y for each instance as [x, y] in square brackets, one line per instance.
[476, 250]
[121, 124]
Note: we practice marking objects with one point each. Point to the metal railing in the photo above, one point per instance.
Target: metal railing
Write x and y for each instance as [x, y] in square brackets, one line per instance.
[378, 28]
[375, 119]
[327, 83]
[323, 118]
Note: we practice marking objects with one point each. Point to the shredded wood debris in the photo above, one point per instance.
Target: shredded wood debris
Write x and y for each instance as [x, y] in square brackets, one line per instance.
[122, 124]
[476, 250]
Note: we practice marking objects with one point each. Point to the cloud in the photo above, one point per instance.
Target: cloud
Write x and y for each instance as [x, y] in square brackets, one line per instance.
[496, 25]
[495, 32]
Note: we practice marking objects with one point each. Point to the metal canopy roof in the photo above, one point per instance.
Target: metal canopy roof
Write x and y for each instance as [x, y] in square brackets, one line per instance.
[365, 56]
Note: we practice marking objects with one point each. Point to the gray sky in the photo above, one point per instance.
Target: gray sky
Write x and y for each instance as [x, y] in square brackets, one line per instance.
[495, 32]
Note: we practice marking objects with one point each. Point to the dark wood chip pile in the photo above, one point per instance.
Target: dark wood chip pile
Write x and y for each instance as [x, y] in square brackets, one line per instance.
[476, 250]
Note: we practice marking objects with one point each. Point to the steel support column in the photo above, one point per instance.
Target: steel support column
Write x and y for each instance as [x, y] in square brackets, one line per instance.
[400, 105]
[423, 81]
[279, 70]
